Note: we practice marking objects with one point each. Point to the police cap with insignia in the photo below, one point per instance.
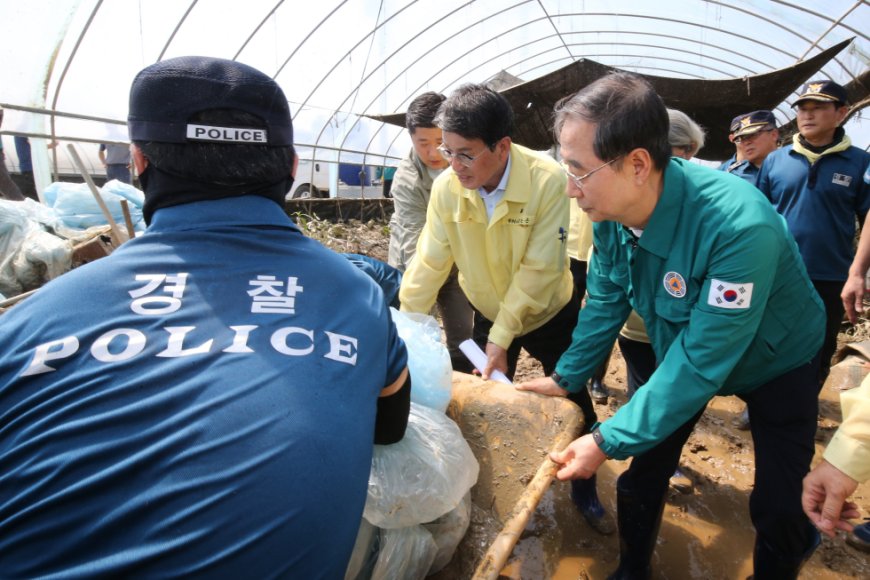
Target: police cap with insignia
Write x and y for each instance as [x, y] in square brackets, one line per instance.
[735, 124]
[751, 123]
[165, 95]
[824, 91]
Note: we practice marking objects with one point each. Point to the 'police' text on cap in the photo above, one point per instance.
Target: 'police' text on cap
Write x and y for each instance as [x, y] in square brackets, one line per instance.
[166, 95]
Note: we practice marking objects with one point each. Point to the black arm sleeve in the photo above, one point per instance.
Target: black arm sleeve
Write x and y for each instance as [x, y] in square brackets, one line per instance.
[392, 417]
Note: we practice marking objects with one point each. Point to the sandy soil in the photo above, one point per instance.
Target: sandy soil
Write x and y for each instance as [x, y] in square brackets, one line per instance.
[705, 534]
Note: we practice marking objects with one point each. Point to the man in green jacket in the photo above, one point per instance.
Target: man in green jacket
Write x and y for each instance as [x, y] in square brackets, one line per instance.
[718, 280]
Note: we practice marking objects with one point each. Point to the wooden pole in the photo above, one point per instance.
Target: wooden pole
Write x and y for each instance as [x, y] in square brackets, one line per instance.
[500, 549]
[15, 299]
[128, 219]
[117, 237]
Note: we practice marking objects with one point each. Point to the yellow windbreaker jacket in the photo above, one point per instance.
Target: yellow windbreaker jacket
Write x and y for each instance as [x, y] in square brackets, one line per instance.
[514, 268]
[849, 449]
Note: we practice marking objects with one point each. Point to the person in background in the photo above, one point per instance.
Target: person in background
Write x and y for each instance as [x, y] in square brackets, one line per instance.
[116, 159]
[849, 450]
[411, 191]
[385, 276]
[209, 406]
[855, 288]
[500, 215]
[25, 165]
[686, 138]
[718, 281]
[755, 135]
[817, 184]
[579, 246]
[8, 189]
[387, 175]
[846, 463]
[737, 159]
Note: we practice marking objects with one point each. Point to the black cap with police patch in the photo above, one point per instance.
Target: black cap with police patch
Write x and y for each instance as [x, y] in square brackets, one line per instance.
[165, 95]
[753, 122]
[825, 91]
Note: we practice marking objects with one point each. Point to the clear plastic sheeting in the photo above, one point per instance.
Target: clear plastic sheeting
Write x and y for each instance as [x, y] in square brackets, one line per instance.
[31, 253]
[428, 359]
[77, 209]
[407, 553]
[340, 59]
[448, 531]
[423, 476]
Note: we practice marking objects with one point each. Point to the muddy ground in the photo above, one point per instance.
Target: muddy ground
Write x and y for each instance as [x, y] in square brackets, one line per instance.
[706, 534]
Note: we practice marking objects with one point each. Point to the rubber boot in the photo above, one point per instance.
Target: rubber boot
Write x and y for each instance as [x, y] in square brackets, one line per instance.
[639, 517]
[597, 390]
[741, 422]
[860, 538]
[584, 494]
[768, 564]
[681, 482]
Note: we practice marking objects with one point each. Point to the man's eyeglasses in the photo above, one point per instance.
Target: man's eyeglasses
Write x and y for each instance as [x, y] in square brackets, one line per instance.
[750, 137]
[578, 179]
[464, 158]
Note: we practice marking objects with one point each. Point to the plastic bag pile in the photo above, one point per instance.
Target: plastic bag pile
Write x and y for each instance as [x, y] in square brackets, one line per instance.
[419, 501]
[77, 209]
[36, 240]
[31, 251]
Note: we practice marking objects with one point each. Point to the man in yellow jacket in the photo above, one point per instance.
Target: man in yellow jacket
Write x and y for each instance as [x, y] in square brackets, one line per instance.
[846, 463]
[500, 214]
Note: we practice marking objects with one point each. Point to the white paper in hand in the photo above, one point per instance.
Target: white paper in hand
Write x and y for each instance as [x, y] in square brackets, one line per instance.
[478, 358]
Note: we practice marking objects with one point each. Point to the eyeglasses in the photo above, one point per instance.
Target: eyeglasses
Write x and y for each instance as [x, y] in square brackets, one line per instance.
[747, 138]
[578, 179]
[464, 158]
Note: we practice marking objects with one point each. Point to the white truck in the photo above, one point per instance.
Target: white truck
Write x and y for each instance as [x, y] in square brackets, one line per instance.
[312, 180]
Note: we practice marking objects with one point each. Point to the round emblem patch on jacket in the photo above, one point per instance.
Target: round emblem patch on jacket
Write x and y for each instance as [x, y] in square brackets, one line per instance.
[675, 285]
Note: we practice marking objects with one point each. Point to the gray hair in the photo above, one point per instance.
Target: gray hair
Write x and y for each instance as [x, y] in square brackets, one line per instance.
[684, 133]
[627, 113]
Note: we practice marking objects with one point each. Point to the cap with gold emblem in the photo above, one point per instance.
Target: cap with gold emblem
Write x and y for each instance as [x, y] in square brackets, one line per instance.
[750, 123]
[825, 91]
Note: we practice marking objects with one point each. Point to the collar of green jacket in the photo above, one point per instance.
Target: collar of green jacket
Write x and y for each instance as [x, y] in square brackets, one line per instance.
[658, 235]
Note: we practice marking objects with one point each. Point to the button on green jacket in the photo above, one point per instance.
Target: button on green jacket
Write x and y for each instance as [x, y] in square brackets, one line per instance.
[721, 286]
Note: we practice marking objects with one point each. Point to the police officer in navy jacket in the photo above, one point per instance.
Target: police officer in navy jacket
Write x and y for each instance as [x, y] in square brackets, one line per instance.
[204, 401]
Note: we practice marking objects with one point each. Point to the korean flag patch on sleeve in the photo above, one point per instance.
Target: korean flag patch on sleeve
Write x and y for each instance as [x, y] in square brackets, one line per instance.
[728, 295]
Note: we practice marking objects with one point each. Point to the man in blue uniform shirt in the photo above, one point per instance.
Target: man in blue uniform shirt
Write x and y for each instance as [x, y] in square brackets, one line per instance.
[817, 184]
[737, 159]
[204, 401]
[755, 135]
[713, 272]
